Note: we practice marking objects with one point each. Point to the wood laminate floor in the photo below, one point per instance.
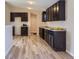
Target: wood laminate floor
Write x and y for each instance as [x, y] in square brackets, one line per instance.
[33, 47]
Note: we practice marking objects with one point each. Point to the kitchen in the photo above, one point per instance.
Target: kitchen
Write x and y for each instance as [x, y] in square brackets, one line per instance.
[51, 22]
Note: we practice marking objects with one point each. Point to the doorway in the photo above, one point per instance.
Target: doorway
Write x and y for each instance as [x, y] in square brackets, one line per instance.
[33, 23]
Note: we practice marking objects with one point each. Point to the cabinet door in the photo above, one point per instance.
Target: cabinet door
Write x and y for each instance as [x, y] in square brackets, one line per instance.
[47, 14]
[24, 31]
[59, 40]
[12, 17]
[13, 29]
[51, 40]
[24, 17]
[49, 10]
[44, 16]
[40, 32]
[55, 11]
[59, 9]
[50, 13]
[61, 5]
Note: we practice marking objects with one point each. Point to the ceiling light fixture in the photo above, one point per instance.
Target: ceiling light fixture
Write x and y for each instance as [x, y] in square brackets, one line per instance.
[30, 2]
[29, 8]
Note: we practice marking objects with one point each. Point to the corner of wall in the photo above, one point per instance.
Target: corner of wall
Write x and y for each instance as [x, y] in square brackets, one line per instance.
[70, 53]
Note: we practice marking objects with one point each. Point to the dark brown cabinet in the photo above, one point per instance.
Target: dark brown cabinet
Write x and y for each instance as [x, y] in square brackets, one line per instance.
[59, 11]
[48, 14]
[56, 12]
[13, 30]
[24, 16]
[24, 31]
[44, 16]
[56, 39]
[41, 32]
[59, 40]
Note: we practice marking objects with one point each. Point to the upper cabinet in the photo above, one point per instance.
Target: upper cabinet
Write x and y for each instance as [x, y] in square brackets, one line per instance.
[56, 12]
[24, 16]
[44, 16]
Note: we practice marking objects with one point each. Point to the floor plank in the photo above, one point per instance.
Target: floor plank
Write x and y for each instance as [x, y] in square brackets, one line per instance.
[33, 47]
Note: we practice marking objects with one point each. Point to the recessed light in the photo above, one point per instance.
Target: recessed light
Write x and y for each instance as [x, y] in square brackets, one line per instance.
[30, 2]
[29, 8]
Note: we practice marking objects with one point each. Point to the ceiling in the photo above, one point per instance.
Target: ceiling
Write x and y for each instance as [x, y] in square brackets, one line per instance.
[35, 4]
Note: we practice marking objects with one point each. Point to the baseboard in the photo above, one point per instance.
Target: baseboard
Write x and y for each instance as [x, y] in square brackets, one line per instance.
[70, 53]
[8, 50]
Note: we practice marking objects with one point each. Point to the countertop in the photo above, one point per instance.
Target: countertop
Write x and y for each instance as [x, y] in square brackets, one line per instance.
[53, 29]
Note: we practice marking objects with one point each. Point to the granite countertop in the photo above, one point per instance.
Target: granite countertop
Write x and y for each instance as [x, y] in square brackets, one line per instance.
[54, 28]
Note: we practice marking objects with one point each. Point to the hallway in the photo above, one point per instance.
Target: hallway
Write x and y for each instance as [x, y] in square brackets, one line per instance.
[33, 47]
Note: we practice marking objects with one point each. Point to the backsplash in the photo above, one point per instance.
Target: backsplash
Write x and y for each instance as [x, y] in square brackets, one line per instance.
[55, 24]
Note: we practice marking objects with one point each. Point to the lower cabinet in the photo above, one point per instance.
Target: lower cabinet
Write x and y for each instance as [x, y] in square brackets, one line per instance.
[13, 29]
[45, 35]
[51, 40]
[56, 39]
[41, 33]
[24, 31]
[59, 40]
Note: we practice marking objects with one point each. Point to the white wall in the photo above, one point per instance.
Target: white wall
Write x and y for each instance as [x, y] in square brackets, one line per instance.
[68, 24]
[17, 9]
[8, 29]
[8, 38]
[7, 13]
